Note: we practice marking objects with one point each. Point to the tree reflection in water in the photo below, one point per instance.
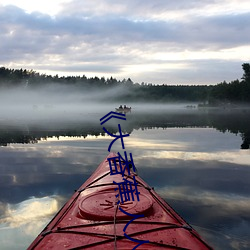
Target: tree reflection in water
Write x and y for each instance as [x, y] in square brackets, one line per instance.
[233, 121]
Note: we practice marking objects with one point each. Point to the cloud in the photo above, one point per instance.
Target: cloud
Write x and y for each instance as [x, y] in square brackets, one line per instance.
[135, 9]
[120, 30]
[95, 38]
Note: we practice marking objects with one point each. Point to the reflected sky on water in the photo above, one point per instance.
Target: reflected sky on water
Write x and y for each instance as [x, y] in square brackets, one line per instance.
[200, 171]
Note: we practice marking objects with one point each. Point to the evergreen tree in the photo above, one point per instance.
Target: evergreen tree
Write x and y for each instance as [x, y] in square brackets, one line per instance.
[246, 69]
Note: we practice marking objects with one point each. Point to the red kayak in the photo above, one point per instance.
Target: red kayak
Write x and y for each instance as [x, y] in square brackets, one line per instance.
[96, 217]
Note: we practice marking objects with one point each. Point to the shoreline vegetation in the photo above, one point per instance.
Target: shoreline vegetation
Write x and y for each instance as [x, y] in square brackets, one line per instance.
[224, 95]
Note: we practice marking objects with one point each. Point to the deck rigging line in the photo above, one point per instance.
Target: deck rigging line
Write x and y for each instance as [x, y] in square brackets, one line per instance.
[115, 222]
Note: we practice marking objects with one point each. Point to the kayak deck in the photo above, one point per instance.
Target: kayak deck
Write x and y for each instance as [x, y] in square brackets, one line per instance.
[92, 219]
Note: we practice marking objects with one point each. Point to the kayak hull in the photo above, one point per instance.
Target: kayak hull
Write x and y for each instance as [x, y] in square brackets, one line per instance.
[92, 219]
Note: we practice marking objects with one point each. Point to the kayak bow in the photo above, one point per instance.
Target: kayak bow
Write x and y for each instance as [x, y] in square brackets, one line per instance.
[92, 219]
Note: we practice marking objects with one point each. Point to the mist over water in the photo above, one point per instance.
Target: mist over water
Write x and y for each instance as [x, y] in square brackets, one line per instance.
[59, 107]
[191, 156]
[60, 102]
[56, 102]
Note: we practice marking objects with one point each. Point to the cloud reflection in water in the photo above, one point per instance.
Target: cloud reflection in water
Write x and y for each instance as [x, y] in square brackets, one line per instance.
[199, 171]
[26, 219]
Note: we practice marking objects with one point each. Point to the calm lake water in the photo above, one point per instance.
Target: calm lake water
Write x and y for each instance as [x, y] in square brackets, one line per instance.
[197, 160]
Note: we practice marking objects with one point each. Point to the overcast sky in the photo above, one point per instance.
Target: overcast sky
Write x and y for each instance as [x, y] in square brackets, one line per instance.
[154, 41]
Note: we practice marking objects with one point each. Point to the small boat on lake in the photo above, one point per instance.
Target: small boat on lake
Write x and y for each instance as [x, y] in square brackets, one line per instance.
[94, 218]
[123, 109]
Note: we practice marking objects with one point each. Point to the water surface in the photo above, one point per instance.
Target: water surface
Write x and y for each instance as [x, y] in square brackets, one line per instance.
[193, 158]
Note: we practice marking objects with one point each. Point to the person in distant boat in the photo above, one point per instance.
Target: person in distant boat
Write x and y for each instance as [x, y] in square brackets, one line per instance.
[120, 107]
[125, 106]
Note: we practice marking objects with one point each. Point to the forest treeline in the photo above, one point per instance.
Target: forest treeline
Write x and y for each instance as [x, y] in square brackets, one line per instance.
[236, 91]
